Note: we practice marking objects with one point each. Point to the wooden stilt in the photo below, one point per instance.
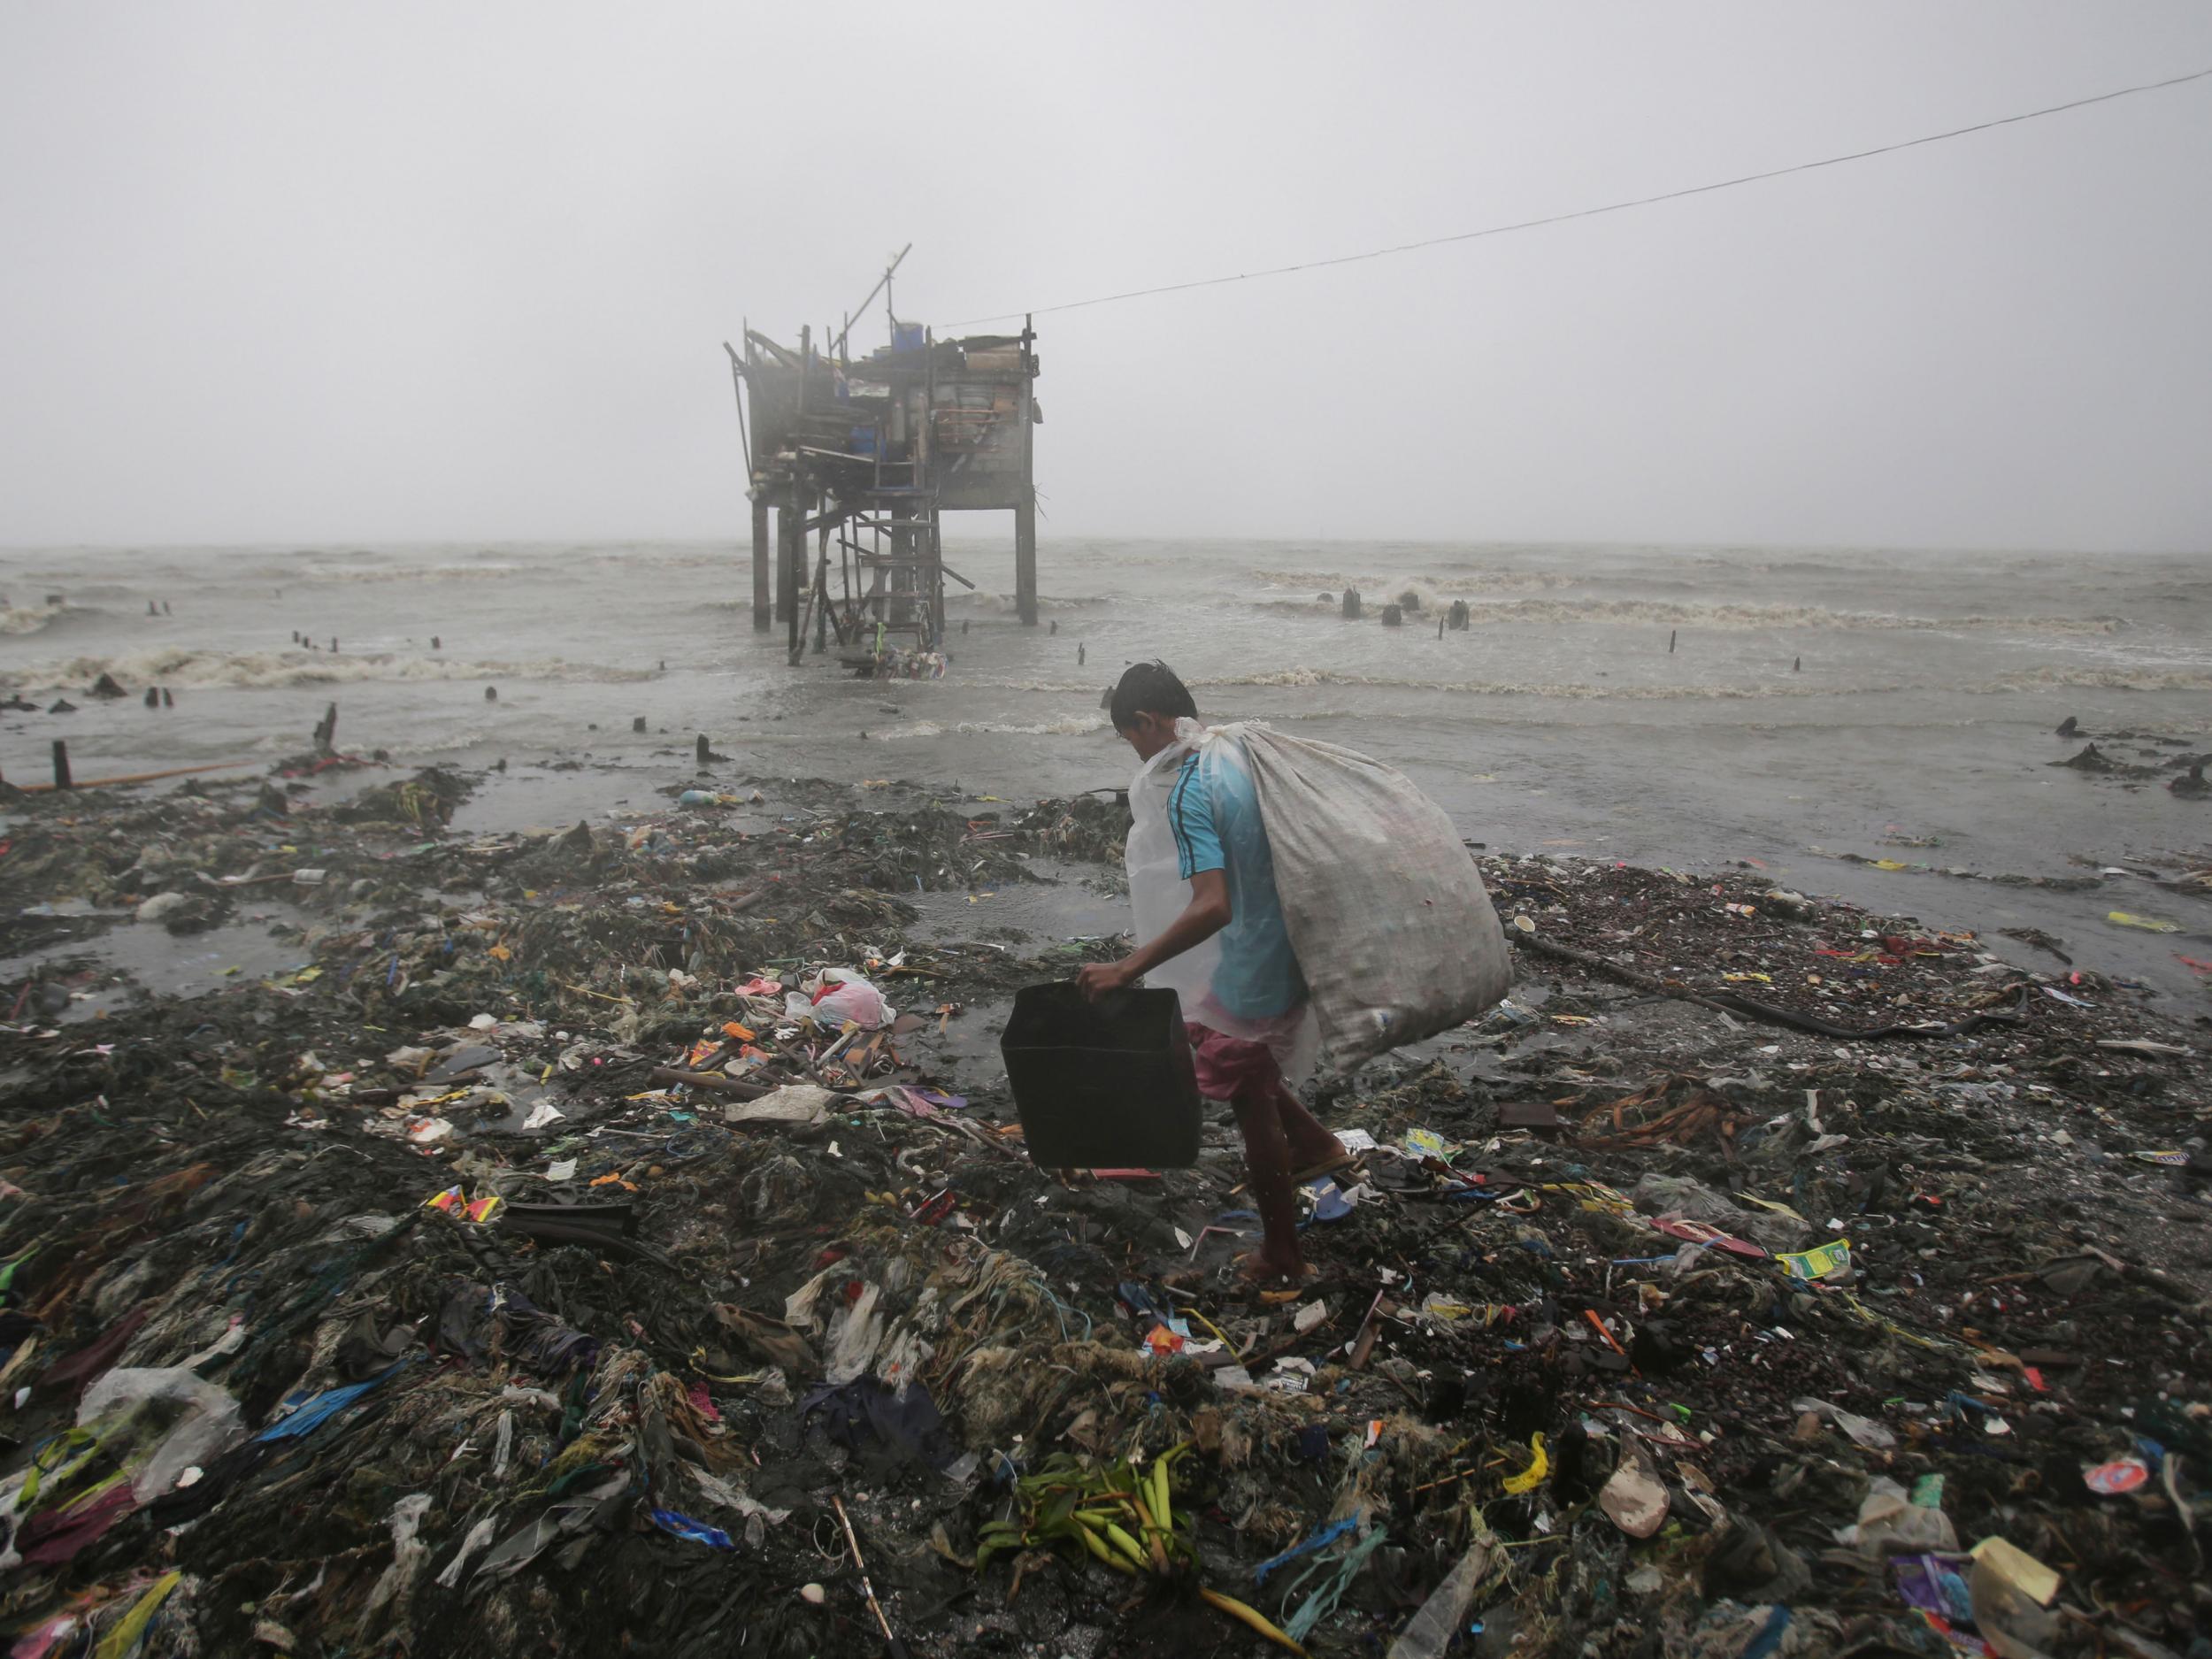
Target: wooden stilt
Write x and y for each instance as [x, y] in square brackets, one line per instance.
[762, 617]
[1025, 561]
[788, 534]
[61, 765]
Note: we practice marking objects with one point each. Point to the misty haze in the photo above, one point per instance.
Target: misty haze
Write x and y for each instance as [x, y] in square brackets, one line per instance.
[622, 959]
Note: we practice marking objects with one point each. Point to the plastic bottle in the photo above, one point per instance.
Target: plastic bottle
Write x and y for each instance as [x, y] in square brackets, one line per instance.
[1445, 1612]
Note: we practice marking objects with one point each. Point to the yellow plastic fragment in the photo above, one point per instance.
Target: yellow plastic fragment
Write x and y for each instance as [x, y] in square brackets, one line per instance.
[2148, 923]
[2018, 1569]
[132, 1625]
[1532, 1477]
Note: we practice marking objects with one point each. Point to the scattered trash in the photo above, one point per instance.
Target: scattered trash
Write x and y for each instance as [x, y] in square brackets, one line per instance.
[1827, 1260]
[2123, 1474]
[2149, 923]
[1632, 1320]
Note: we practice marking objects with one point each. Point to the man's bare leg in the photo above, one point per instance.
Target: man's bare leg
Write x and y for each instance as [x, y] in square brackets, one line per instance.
[1267, 1161]
[1310, 1142]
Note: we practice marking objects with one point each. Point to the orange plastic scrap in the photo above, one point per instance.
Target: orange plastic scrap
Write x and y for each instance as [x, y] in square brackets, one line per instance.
[1699, 1112]
[737, 1032]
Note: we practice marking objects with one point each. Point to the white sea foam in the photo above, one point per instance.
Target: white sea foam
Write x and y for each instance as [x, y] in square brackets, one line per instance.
[37, 619]
[2099, 678]
[1068, 725]
[181, 667]
[1661, 613]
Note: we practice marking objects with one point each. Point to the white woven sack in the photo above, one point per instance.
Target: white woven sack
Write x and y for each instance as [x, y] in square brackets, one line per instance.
[1386, 909]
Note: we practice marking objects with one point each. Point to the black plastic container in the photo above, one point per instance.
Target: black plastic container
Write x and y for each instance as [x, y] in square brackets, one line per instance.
[1105, 1085]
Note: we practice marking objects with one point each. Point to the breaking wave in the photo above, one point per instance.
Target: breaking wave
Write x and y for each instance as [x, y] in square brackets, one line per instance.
[2096, 679]
[1469, 581]
[1305, 677]
[2107, 680]
[258, 670]
[37, 619]
[1005, 605]
[1068, 725]
[1662, 613]
[413, 573]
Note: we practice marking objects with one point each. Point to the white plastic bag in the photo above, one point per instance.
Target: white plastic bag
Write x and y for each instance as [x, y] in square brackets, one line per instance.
[1386, 909]
[195, 1420]
[848, 997]
[1158, 893]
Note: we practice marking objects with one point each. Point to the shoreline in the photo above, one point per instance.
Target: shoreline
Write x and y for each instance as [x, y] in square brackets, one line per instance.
[438, 971]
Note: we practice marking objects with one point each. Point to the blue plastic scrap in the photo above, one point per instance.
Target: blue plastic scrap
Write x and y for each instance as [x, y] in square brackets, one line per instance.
[1770, 1636]
[697, 1531]
[313, 1413]
[1320, 1539]
[1330, 1204]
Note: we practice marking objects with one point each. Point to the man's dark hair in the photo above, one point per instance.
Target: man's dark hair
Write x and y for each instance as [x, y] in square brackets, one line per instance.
[1150, 688]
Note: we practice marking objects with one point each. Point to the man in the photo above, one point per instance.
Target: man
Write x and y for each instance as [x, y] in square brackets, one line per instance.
[1246, 1011]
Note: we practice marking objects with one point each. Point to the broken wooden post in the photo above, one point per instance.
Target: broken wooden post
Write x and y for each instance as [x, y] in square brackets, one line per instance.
[61, 765]
[153, 698]
[703, 750]
[1670, 633]
[638, 724]
[327, 731]
[762, 606]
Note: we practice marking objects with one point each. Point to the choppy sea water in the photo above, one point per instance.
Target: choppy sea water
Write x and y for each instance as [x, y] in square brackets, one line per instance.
[1891, 703]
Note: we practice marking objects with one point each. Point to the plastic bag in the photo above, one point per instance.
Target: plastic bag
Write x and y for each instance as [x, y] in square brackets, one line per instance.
[1657, 1195]
[1158, 893]
[837, 995]
[1442, 1617]
[1891, 1523]
[190, 1420]
[1387, 910]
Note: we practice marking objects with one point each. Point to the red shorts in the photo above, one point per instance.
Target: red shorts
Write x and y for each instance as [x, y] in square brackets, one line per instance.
[1232, 1068]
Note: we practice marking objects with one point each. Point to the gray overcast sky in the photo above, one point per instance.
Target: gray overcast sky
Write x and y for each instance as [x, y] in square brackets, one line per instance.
[283, 272]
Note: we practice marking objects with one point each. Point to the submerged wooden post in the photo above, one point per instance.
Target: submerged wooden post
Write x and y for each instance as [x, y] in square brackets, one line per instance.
[790, 597]
[762, 617]
[789, 534]
[1025, 561]
[61, 765]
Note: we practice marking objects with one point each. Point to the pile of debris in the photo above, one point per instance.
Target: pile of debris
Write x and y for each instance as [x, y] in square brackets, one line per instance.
[586, 1248]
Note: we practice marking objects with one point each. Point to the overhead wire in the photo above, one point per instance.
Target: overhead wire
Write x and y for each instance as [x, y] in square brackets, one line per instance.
[1594, 212]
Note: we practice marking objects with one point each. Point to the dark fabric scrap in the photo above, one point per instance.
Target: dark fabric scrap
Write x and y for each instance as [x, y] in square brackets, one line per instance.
[478, 1320]
[867, 1416]
[55, 1536]
[76, 1370]
[367, 1347]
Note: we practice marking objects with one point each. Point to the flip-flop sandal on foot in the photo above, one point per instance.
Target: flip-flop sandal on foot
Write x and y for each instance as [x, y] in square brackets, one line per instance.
[1327, 1166]
[1275, 1287]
